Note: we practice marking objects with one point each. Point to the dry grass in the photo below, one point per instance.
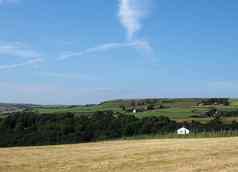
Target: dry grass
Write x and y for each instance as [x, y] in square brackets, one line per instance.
[180, 155]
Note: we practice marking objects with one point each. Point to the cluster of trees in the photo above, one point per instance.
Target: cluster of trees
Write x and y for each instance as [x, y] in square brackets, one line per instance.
[231, 113]
[216, 113]
[30, 128]
[142, 102]
[141, 106]
[216, 101]
[213, 113]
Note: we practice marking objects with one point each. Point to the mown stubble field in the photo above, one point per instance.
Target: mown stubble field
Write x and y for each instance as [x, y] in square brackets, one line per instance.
[180, 155]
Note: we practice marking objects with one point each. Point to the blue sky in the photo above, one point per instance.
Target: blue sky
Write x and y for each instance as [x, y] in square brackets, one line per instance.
[78, 51]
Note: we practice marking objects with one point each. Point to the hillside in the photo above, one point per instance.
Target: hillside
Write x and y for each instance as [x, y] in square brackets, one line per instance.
[183, 109]
[180, 155]
[179, 109]
[11, 107]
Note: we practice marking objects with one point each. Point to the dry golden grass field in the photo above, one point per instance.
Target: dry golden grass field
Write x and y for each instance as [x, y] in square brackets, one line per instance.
[170, 155]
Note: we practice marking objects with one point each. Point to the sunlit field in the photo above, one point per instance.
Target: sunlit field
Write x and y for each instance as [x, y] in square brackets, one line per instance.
[180, 155]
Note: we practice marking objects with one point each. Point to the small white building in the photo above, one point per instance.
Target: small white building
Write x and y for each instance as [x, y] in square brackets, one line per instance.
[183, 131]
[134, 111]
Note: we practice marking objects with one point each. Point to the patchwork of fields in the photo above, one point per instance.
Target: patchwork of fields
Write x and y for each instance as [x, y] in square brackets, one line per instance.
[179, 109]
[180, 155]
[186, 109]
[190, 154]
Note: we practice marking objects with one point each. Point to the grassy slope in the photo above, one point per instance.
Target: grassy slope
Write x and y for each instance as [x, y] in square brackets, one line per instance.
[114, 105]
[234, 103]
[180, 155]
[175, 113]
[180, 109]
[76, 109]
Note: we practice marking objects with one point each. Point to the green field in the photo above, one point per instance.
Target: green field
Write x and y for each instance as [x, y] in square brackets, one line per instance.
[234, 103]
[174, 113]
[176, 109]
[75, 109]
[179, 106]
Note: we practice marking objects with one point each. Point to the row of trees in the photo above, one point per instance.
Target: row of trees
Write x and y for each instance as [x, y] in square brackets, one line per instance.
[29, 128]
[215, 101]
[217, 113]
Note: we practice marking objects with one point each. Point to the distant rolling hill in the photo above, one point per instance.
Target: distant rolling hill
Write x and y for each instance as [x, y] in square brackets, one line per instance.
[11, 107]
[181, 109]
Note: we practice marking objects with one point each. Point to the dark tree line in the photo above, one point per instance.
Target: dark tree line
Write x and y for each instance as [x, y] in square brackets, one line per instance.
[216, 113]
[30, 129]
[216, 101]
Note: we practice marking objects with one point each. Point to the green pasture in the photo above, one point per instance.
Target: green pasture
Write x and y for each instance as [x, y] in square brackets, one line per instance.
[176, 109]
[173, 113]
[75, 109]
[234, 103]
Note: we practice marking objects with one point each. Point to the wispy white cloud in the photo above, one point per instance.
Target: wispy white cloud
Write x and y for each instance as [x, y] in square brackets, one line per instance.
[25, 63]
[18, 50]
[106, 47]
[131, 12]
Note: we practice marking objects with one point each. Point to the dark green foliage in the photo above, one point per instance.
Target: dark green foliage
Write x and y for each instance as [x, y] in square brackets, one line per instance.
[215, 113]
[216, 101]
[231, 113]
[30, 128]
[123, 107]
[150, 107]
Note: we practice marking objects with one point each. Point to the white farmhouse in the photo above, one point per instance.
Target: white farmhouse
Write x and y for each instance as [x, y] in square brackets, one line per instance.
[183, 131]
[134, 111]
